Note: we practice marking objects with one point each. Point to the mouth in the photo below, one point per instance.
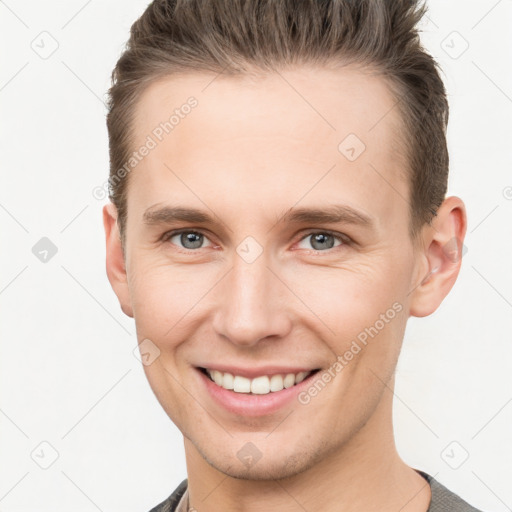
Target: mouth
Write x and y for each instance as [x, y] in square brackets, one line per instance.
[259, 385]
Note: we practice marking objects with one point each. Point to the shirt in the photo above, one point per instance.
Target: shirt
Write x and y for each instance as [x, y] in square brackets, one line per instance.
[442, 500]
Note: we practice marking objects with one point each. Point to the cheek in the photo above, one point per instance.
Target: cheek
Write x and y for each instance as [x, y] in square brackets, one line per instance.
[165, 299]
[342, 302]
[338, 303]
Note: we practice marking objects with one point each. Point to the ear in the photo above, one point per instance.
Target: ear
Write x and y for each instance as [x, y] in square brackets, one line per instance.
[442, 251]
[116, 268]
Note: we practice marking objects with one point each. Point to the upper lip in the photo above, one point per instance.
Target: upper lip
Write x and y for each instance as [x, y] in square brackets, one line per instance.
[253, 372]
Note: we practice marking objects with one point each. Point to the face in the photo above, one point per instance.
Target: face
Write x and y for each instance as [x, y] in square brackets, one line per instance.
[296, 256]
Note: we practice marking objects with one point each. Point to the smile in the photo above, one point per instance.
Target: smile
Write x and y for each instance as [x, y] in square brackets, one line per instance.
[260, 385]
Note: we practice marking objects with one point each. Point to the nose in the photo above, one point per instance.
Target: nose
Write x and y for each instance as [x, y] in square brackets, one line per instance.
[252, 303]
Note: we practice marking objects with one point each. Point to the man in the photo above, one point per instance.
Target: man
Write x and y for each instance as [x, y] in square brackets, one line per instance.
[278, 181]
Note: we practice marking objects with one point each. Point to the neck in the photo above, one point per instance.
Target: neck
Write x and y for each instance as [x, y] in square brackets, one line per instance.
[365, 473]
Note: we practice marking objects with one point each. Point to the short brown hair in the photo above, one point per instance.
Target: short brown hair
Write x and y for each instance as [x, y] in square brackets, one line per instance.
[234, 36]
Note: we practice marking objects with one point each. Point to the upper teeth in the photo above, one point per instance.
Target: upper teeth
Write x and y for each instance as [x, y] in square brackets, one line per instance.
[259, 385]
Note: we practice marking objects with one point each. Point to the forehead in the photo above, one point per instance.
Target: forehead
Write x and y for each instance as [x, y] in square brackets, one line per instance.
[305, 134]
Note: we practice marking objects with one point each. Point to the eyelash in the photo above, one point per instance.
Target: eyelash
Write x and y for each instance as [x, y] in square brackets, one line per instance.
[344, 239]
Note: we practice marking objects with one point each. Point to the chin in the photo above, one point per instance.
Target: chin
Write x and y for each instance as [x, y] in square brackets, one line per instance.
[276, 467]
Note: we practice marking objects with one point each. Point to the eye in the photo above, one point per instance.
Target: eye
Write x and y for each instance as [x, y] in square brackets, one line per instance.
[186, 239]
[320, 241]
[323, 240]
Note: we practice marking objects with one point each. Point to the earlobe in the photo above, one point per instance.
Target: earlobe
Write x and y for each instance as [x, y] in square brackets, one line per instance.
[115, 263]
[444, 248]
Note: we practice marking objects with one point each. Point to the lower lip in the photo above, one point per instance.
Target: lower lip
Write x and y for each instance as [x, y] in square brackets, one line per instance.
[246, 404]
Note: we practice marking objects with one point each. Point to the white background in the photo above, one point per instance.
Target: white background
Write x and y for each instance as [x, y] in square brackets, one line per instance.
[68, 374]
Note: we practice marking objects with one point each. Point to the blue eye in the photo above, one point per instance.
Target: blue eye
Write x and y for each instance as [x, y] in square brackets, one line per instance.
[186, 239]
[320, 241]
[323, 240]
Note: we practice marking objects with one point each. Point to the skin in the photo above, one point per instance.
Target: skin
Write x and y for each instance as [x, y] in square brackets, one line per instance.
[250, 151]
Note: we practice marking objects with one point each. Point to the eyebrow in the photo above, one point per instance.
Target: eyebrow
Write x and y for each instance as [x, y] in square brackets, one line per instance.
[329, 215]
[167, 214]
